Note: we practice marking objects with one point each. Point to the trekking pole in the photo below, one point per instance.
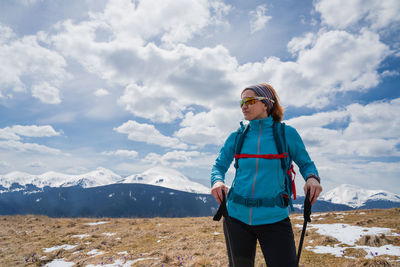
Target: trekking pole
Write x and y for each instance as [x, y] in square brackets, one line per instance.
[222, 211]
[307, 218]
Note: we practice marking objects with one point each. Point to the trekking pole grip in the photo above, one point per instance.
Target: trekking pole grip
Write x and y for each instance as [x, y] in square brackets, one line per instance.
[222, 211]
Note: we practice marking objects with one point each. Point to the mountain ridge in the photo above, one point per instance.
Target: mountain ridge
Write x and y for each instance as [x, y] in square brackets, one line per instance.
[344, 196]
[161, 176]
[357, 197]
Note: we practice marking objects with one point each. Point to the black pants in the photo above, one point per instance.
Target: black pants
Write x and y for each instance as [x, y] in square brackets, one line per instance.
[276, 241]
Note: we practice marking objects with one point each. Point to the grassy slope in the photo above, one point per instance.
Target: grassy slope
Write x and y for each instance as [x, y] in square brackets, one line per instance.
[168, 241]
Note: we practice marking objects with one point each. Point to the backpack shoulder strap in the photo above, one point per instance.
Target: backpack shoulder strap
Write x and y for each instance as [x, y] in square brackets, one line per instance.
[278, 130]
[241, 133]
[286, 163]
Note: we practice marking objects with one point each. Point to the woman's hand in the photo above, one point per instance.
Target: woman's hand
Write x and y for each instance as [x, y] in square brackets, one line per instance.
[217, 190]
[315, 189]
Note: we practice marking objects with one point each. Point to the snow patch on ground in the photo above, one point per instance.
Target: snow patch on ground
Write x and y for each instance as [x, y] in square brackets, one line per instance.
[95, 252]
[81, 236]
[59, 263]
[120, 263]
[335, 250]
[109, 234]
[298, 206]
[66, 247]
[95, 223]
[348, 235]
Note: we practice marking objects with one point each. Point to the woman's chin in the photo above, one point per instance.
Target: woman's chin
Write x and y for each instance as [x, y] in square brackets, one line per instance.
[247, 117]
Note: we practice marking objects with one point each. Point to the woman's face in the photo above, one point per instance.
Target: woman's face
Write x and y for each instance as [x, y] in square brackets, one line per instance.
[257, 111]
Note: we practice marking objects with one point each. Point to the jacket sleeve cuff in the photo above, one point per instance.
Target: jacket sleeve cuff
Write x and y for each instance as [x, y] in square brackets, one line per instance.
[216, 180]
[313, 176]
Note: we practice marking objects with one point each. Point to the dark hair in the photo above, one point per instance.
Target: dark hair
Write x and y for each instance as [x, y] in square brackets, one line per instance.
[277, 110]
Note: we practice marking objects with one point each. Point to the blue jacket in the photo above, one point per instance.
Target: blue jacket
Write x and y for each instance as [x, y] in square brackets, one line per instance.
[258, 177]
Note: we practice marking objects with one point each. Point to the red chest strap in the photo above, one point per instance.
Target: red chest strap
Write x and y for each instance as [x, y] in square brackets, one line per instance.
[265, 156]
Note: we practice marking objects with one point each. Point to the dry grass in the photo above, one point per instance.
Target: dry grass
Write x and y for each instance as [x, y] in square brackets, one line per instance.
[170, 241]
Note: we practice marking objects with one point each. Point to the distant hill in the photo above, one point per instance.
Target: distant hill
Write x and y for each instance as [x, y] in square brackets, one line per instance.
[116, 200]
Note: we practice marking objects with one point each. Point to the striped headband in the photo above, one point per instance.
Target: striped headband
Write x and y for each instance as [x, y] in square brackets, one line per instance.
[263, 90]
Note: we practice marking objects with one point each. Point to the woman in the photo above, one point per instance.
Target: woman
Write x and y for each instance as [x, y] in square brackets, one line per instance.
[259, 178]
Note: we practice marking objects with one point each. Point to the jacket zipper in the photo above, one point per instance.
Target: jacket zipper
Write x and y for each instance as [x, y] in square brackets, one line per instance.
[255, 175]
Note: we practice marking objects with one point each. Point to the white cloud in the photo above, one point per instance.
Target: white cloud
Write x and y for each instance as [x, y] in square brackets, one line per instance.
[337, 54]
[8, 134]
[219, 11]
[365, 131]
[196, 129]
[122, 153]
[179, 20]
[142, 132]
[150, 103]
[301, 43]
[46, 93]
[28, 147]
[389, 73]
[101, 92]
[14, 132]
[160, 79]
[12, 136]
[172, 21]
[333, 13]
[180, 159]
[352, 145]
[208, 127]
[26, 58]
[342, 14]
[258, 19]
[337, 62]
[6, 33]
[371, 119]
[35, 131]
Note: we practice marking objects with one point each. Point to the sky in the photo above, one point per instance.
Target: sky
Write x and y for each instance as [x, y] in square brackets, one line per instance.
[131, 84]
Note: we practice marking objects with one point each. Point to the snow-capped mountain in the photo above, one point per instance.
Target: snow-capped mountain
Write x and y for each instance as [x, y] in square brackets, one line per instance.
[101, 193]
[356, 197]
[21, 178]
[166, 177]
[160, 176]
[98, 177]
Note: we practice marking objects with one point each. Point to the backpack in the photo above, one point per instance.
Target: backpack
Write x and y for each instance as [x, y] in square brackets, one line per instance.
[278, 129]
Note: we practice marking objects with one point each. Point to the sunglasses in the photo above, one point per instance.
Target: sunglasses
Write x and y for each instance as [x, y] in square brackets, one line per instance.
[252, 100]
